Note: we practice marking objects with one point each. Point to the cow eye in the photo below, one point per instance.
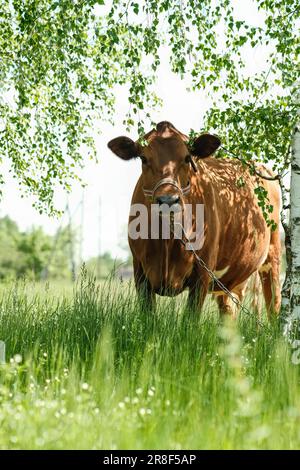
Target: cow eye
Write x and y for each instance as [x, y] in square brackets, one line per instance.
[144, 159]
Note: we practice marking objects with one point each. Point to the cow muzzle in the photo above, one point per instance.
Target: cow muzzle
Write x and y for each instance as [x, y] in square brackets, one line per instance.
[168, 199]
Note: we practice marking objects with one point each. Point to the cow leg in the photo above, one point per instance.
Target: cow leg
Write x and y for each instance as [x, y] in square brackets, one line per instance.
[197, 294]
[270, 278]
[146, 296]
[226, 306]
[254, 291]
[252, 287]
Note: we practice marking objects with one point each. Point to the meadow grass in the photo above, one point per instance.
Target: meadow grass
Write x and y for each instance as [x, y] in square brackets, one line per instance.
[92, 369]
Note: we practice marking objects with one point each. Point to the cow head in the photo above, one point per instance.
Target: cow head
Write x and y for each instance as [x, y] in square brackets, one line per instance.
[167, 160]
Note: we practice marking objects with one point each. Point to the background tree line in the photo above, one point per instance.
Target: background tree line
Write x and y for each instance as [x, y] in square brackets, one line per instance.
[36, 255]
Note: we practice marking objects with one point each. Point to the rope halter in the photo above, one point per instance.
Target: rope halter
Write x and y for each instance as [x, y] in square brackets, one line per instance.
[151, 192]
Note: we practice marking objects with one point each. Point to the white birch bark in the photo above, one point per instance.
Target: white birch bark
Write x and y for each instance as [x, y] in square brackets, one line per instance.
[285, 222]
[294, 318]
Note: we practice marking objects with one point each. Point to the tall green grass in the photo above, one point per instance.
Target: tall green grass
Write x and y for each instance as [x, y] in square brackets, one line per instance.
[93, 369]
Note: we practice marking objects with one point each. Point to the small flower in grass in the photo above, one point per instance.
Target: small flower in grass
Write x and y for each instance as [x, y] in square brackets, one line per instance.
[168, 403]
[18, 358]
[123, 327]
[85, 386]
[39, 403]
[45, 354]
[127, 400]
[142, 411]
[151, 392]
[121, 405]
[139, 391]
[135, 400]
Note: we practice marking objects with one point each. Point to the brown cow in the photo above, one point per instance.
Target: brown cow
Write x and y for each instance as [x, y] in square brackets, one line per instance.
[237, 240]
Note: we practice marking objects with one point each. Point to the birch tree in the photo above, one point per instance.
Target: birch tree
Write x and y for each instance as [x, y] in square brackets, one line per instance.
[61, 61]
[292, 304]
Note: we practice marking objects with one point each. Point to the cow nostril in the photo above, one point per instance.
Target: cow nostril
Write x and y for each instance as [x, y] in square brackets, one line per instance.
[169, 200]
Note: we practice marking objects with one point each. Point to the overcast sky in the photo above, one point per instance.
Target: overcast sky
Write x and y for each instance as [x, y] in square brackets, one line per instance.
[110, 182]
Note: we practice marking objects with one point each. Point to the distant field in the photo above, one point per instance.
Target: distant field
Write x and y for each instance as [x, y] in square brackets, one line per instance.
[88, 368]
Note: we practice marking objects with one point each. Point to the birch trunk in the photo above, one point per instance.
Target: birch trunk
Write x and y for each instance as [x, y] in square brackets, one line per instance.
[294, 318]
[286, 288]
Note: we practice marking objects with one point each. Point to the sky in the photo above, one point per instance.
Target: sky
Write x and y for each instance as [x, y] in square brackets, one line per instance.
[101, 210]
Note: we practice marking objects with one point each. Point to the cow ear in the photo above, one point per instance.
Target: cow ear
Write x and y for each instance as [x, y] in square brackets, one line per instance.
[205, 145]
[124, 148]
